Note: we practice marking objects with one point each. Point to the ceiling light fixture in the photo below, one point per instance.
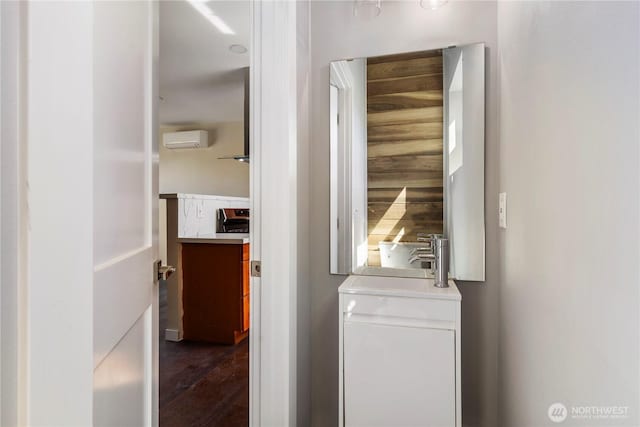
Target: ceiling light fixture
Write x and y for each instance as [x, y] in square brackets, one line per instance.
[432, 4]
[373, 8]
[206, 11]
[237, 48]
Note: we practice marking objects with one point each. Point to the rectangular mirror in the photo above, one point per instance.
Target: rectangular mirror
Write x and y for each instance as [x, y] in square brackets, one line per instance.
[407, 160]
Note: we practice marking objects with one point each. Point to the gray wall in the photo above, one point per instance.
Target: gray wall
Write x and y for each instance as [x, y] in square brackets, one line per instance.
[569, 161]
[402, 26]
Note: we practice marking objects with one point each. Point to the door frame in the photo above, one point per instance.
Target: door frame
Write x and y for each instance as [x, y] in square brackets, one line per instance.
[273, 361]
[13, 226]
[274, 188]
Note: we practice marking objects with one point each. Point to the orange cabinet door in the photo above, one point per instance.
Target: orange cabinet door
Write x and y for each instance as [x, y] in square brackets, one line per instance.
[245, 312]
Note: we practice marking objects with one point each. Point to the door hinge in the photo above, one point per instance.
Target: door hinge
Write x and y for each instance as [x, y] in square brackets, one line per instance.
[256, 268]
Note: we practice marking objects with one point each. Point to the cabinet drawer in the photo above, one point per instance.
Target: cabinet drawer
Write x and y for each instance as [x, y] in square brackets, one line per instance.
[401, 307]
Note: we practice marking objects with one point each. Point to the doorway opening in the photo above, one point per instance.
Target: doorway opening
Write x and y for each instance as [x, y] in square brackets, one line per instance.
[204, 214]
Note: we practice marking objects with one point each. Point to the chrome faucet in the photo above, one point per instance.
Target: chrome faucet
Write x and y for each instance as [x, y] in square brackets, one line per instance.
[437, 253]
[430, 239]
[441, 273]
[423, 257]
[423, 250]
[424, 237]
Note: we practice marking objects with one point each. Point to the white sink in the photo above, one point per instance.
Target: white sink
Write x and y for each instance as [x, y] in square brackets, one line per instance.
[397, 255]
[417, 273]
[417, 287]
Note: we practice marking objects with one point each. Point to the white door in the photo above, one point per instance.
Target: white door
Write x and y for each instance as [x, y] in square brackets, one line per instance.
[88, 301]
[125, 235]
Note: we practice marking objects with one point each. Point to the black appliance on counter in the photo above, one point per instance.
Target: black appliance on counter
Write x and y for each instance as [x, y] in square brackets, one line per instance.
[233, 220]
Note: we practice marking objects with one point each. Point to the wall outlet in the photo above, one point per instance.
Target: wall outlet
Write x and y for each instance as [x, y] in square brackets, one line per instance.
[502, 210]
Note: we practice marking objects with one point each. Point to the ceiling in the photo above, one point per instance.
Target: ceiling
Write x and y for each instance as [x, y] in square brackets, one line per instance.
[201, 80]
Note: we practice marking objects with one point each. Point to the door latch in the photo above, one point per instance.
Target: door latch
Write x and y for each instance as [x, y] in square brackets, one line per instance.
[256, 268]
[162, 272]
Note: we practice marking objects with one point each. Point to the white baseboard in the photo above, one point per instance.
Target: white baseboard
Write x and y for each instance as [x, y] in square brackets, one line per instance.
[172, 335]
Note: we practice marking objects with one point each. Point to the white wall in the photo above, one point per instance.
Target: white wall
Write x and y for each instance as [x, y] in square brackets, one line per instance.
[569, 161]
[199, 171]
[402, 26]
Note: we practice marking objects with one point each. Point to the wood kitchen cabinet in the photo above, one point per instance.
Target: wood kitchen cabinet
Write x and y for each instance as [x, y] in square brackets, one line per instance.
[215, 292]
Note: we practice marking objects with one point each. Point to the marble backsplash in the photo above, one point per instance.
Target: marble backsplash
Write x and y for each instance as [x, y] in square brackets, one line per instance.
[197, 213]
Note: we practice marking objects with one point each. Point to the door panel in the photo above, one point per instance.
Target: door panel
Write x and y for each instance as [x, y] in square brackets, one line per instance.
[125, 224]
[121, 141]
[120, 295]
[120, 380]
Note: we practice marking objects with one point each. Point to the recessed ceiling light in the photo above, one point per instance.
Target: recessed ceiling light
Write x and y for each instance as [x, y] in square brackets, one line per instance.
[237, 48]
[432, 4]
[206, 11]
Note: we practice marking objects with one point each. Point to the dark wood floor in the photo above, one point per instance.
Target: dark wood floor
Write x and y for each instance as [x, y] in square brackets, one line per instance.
[202, 385]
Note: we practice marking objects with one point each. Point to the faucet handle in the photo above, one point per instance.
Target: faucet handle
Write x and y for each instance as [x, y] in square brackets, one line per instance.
[422, 257]
[421, 250]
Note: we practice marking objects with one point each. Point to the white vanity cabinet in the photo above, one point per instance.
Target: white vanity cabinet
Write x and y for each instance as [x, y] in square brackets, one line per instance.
[399, 353]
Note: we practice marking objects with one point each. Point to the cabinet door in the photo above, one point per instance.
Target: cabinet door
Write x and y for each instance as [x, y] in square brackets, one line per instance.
[246, 283]
[245, 313]
[398, 376]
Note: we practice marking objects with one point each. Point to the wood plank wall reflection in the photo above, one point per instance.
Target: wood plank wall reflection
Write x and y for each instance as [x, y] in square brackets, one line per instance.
[404, 147]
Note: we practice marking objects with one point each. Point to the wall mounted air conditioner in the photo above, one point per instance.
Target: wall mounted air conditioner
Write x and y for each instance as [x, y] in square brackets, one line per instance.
[186, 139]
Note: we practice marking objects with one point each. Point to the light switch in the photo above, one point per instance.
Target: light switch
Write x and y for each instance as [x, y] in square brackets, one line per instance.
[502, 210]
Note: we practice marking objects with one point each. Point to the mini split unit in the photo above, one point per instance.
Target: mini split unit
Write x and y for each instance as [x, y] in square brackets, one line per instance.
[186, 139]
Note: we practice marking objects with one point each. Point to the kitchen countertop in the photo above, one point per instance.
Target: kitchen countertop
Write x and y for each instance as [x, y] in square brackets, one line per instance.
[217, 238]
[201, 197]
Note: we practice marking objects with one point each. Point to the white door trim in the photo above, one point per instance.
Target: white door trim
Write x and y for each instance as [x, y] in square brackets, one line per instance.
[13, 224]
[255, 201]
[274, 179]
